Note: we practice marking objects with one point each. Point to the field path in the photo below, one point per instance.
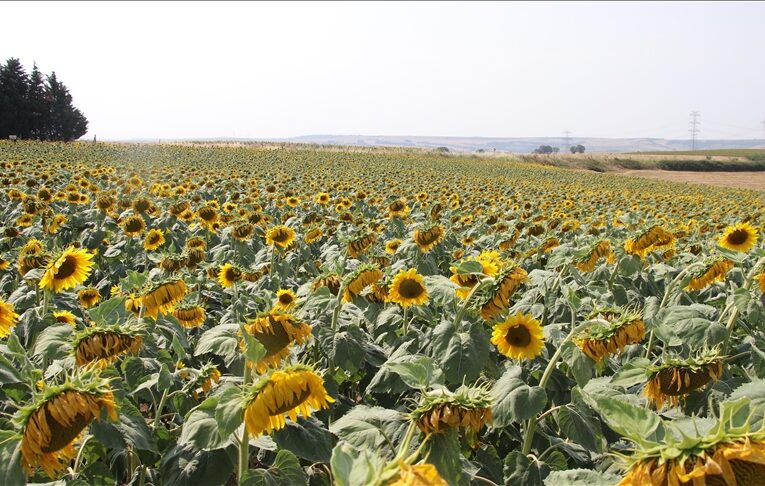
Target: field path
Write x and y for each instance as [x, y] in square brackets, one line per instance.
[737, 180]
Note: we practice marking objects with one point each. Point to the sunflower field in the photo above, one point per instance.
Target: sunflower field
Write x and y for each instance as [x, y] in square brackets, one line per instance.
[195, 315]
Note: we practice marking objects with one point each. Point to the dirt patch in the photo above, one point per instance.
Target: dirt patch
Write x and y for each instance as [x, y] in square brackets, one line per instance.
[737, 180]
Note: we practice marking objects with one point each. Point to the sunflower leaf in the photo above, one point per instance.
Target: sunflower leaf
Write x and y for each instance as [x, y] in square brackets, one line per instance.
[11, 473]
[514, 400]
[417, 371]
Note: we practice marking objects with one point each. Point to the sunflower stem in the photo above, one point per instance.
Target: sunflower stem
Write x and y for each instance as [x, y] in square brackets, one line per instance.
[78, 460]
[405, 327]
[161, 405]
[464, 308]
[407, 440]
[531, 426]
[735, 311]
[244, 455]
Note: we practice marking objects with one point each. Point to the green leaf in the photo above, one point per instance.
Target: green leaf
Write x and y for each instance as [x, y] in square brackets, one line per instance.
[443, 451]
[348, 348]
[11, 473]
[581, 477]
[638, 424]
[228, 412]
[109, 312]
[462, 355]
[133, 428]
[417, 371]
[200, 428]
[165, 378]
[186, 466]
[514, 400]
[285, 471]
[254, 350]
[306, 438]
[221, 340]
[373, 428]
[522, 471]
[632, 373]
[581, 427]
[53, 342]
[466, 267]
[352, 466]
[8, 372]
[742, 297]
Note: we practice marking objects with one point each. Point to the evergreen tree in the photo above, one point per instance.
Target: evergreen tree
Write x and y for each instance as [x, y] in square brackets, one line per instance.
[65, 122]
[13, 91]
[37, 107]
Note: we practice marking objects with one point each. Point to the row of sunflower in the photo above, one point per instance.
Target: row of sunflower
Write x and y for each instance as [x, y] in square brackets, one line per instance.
[213, 315]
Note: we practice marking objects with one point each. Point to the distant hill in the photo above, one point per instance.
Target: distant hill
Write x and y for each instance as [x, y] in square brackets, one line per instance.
[528, 144]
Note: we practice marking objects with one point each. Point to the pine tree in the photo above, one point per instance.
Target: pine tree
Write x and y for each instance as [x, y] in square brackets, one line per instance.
[13, 90]
[65, 122]
[37, 107]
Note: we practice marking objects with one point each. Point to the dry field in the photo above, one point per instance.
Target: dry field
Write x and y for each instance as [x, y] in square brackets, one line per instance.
[738, 180]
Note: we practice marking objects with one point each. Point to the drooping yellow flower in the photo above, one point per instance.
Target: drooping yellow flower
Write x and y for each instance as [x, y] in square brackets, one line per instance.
[361, 244]
[277, 332]
[519, 337]
[497, 296]
[429, 237]
[652, 239]
[292, 392]
[104, 345]
[676, 377]
[7, 318]
[190, 316]
[89, 297]
[282, 236]
[163, 297]
[615, 329]
[714, 271]
[391, 246]
[154, 239]
[360, 279]
[740, 237]
[70, 269]
[408, 289]
[133, 225]
[52, 425]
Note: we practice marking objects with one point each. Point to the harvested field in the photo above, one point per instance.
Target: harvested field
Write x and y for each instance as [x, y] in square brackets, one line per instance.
[738, 180]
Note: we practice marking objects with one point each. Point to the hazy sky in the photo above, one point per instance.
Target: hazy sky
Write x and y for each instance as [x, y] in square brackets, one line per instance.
[184, 70]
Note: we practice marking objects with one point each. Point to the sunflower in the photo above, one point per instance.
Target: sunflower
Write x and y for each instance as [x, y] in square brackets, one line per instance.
[359, 245]
[55, 224]
[70, 269]
[429, 237]
[360, 279]
[391, 246]
[496, 297]
[761, 282]
[654, 238]
[714, 271]
[162, 297]
[65, 317]
[154, 239]
[277, 332]
[242, 231]
[173, 263]
[103, 345]
[208, 215]
[133, 225]
[321, 198]
[417, 475]
[52, 424]
[313, 235]
[228, 275]
[190, 316]
[398, 209]
[611, 331]
[332, 281]
[491, 263]
[133, 303]
[676, 377]
[519, 337]
[740, 237]
[282, 236]
[208, 375]
[8, 318]
[4, 264]
[408, 288]
[467, 409]
[587, 261]
[89, 297]
[285, 299]
[290, 392]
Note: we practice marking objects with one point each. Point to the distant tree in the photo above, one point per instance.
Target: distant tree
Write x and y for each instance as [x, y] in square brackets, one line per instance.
[556, 150]
[32, 107]
[65, 122]
[546, 150]
[13, 90]
[444, 150]
[577, 149]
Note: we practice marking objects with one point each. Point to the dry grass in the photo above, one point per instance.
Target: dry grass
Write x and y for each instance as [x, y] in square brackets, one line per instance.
[737, 180]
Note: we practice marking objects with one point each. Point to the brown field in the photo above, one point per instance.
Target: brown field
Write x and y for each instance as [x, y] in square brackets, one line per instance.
[738, 180]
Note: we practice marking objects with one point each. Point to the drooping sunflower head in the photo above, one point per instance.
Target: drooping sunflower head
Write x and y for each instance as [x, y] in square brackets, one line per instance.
[675, 378]
[51, 425]
[467, 409]
[242, 230]
[8, 318]
[71, 268]
[361, 244]
[715, 270]
[285, 299]
[313, 235]
[740, 237]
[330, 280]
[652, 239]
[723, 450]
[281, 236]
[154, 239]
[277, 332]
[173, 263]
[228, 275]
[610, 331]
[519, 337]
[102, 345]
[587, 260]
[162, 297]
[65, 317]
[359, 279]
[89, 297]
[291, 392]
[428, 237]
[495, 298]
[190, 315]
[408, 288]
[391, 246]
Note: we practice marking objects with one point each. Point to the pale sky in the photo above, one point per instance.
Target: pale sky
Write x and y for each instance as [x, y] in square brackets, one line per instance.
[186, 70]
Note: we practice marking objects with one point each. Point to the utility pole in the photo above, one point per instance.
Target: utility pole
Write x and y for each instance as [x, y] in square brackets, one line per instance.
[567, 133]
[694, 128]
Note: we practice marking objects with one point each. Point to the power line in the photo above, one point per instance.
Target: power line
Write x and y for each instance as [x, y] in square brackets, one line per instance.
[694, 128]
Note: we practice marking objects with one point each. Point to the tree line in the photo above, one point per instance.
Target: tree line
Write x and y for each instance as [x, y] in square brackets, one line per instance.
[37, 106]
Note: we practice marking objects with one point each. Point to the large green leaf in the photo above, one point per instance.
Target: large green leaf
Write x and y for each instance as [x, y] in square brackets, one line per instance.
[11, 473]
[183, 465]
[639, 424]
[417, 371]
[285, 471]
[462, 355]
[228, 412]
[581, 477]
[200, 428]
[514, 400]
[523, 471]
[221, 340]
[307, 439]
[373, 428]
[352, 466]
